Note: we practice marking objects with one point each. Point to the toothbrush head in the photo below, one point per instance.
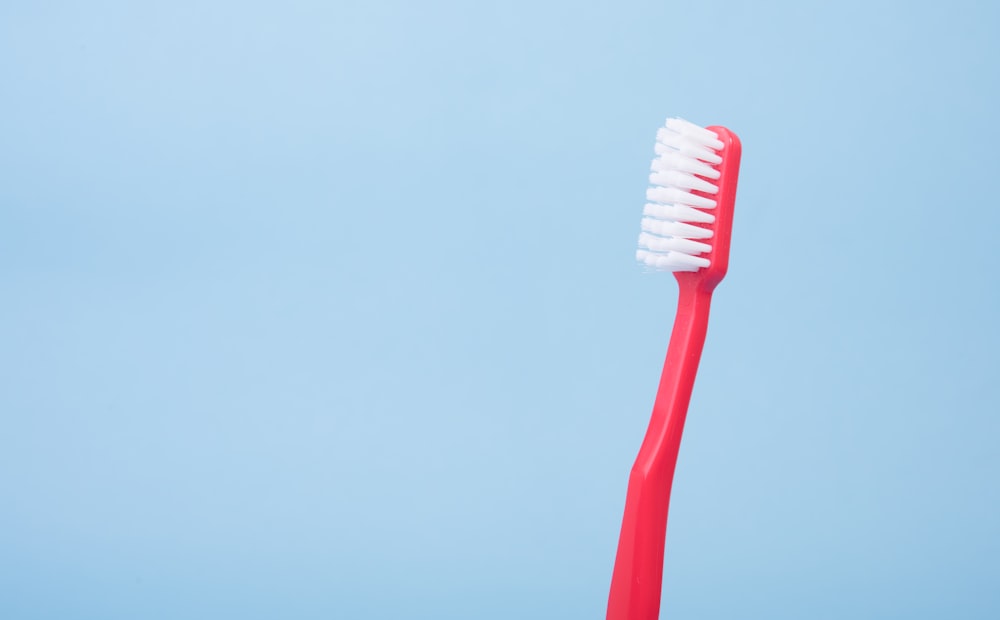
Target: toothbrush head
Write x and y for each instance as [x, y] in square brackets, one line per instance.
[688, 217]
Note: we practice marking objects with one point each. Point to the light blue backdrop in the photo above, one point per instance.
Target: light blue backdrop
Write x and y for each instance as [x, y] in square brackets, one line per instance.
[329, 309]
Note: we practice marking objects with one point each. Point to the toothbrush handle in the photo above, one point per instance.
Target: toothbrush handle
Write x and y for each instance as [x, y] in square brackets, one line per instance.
[638, 573]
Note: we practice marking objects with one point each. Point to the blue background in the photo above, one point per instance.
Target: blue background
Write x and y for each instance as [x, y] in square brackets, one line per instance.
[330, 310]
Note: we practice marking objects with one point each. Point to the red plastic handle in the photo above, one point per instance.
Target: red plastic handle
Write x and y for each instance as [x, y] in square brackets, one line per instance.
[636, 583]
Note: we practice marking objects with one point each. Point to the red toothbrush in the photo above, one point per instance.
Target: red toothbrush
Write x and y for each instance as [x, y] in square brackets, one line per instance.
[686, 227]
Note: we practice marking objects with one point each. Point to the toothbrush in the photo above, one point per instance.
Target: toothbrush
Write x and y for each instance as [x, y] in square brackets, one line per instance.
[686, 229]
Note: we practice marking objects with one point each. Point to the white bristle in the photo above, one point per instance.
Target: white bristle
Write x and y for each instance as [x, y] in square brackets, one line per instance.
[683, 181]
[672, 244]
[682, 213]
[667, 195]
[666, 228]
[686, 146]
[694, 132]
[673, 223]
[671, 261]
[672, 160]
